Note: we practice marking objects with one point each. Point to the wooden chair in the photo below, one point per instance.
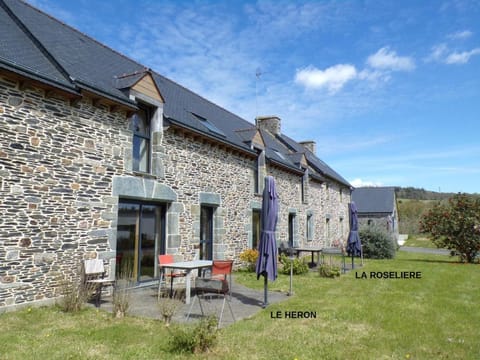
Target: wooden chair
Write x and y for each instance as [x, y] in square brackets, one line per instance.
[94, 272]
[162, 260]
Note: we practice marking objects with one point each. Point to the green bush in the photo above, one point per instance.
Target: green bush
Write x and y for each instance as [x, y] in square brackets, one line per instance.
[299, 265]
[328, 271]
[194, 339]
[377, 244]
[455, 226]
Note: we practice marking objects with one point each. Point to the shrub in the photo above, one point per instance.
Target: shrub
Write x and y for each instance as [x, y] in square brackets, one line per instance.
[121, 291]
[455, 226]
[194, 339]
[250, 257]
[74, 291]
[377, 244]
[328, 271]
[299, 265]
[74, 294]
[168, 306]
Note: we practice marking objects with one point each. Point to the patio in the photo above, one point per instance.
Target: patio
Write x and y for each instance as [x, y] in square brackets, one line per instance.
[245, 303]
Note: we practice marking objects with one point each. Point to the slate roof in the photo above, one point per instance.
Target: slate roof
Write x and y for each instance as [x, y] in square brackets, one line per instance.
[374, 200]
[40, 47]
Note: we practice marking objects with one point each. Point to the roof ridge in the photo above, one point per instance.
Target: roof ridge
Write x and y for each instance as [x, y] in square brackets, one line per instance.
[35, 40]
[90, 38]
[83, 34]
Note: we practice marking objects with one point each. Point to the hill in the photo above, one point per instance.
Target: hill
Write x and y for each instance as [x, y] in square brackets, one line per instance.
[420, 194]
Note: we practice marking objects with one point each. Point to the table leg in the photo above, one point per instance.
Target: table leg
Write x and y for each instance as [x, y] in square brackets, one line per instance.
[188, 286]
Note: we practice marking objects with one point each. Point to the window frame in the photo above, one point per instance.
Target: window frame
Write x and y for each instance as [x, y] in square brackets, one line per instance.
[143, 137]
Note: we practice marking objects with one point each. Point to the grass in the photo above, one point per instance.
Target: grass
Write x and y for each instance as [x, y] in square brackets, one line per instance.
[435, 317]
[419, 241]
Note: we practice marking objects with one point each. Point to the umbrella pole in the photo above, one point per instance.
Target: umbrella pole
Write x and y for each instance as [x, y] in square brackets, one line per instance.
[265, 291]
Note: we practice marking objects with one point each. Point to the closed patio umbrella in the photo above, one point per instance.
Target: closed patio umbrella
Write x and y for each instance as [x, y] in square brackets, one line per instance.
[267, 258]
[354, 244]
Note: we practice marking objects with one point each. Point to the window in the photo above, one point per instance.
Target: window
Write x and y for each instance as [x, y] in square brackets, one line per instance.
[211, 128]
[309, 227]
[279, 154]
[255, 228]
[141, 140]
[327, 231]
[303, 186]
[291, 229]
[256, 172]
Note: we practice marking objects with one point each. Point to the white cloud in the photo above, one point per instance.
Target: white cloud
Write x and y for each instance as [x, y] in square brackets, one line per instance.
[462, 57]
[459, 35]
[362, 183]
[332, 78]
[438, 53]
[386, 59]
[442, 53]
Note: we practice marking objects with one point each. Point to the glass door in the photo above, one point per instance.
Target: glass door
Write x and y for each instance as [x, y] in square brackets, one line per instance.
[206, 233]
[140, 237]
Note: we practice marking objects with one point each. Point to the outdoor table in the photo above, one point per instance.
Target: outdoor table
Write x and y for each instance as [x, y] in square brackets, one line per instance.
[188, 266]
[313, 250]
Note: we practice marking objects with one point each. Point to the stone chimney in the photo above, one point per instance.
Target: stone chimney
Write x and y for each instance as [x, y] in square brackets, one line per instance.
[270, 123]
[309, 145]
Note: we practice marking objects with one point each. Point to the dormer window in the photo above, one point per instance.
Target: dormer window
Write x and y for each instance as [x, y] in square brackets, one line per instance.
[141, 140]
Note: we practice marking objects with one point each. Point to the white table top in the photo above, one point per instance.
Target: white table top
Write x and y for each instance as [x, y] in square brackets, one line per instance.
[186, 265]
[308, 248]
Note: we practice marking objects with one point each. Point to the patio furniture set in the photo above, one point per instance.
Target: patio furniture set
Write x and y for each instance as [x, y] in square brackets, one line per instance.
[214, 279]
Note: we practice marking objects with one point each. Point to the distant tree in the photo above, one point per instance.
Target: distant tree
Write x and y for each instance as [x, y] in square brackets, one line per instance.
[410, 212]
[455, 226]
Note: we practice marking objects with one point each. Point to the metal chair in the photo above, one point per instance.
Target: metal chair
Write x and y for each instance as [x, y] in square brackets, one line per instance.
[220, 270]
[94, 272]
[163, 260]
[211, 287]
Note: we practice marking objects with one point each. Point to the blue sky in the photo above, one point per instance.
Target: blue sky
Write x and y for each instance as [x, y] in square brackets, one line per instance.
[389, 90]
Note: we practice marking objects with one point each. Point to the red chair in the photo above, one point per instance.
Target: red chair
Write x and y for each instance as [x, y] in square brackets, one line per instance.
[216, 284]
[163, 260]
[220, 270]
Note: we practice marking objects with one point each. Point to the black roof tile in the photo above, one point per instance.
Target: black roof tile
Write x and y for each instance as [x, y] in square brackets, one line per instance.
[374, 199]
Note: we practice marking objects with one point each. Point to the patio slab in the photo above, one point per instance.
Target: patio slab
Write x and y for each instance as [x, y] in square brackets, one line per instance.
[245, 303]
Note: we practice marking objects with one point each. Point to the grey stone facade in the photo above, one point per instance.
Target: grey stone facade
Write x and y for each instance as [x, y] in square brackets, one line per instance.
[64, 168]
[57, 163]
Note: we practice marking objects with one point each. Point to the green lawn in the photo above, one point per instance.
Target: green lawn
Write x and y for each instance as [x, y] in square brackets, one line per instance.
[419, 241]
[435, 317]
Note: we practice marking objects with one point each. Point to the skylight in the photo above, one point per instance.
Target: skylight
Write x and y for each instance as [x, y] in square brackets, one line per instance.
[209, 125]
[280, 155]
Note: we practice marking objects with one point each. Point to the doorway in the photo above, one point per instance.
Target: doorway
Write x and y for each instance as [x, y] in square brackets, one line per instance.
[140, 238]
[206, 232]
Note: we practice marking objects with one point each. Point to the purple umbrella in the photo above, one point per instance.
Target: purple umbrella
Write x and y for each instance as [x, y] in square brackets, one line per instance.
[354, 244]
[267, 258]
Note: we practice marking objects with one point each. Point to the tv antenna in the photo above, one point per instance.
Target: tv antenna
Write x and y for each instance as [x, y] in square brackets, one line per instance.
[258, 73]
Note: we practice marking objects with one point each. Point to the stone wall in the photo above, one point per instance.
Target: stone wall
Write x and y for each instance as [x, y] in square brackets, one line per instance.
[322, 203]
[63, 169]
[202, 172]
[56, 169]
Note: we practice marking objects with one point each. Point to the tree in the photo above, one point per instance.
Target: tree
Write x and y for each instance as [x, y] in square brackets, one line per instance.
[455, 226]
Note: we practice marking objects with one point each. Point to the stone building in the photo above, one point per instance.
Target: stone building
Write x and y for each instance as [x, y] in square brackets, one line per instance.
[103, 158]
[377, 206]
